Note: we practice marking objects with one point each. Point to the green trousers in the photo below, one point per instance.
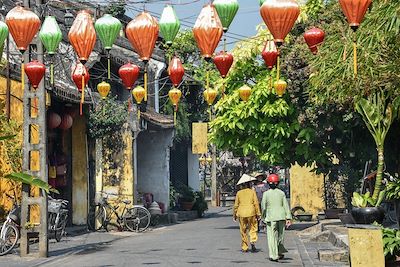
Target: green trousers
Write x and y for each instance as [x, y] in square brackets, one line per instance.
[275, 232]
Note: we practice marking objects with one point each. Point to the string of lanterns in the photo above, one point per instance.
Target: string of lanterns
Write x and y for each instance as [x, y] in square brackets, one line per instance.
[142, 32]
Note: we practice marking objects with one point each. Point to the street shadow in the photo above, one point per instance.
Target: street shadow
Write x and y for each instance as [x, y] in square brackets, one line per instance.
[85, 249]
[239, 261]
[194, 262]
[216, 215]
[301, 226]
[228, 227]
[151, 263]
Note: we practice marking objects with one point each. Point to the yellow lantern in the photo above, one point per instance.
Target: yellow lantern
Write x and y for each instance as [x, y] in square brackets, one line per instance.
[103, 88]
[280, 87]
[175, 95]
[244, 92]
[138, 93]
[210, 95]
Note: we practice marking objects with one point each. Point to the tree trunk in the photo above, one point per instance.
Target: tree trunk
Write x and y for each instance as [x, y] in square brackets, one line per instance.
[379, 171]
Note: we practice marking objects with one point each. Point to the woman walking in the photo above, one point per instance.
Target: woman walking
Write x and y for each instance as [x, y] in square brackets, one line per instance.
[276, 215]
[247, 209]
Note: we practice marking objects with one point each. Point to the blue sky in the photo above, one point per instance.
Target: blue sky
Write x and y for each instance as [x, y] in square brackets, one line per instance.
[244, 24]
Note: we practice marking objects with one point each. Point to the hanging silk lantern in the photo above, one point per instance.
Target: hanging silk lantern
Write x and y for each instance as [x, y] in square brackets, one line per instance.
[314, 37]
[82, 35]
[129, 74]
[279, 16]
[53, 120]
[3, 34]
[175, 96]
[210, 95]
[138, 93]
[354, 10]
[226, 10]
[169, 24]
[66, 122]
[207, 31]
[176, 71]
[270, 54]
[244, 92]
[108, 28]
[280, 87]
[81, 77]
[142, 33]
[261, 2]
[51, 36]
[23, 25]
[223, 61]
[104, 89]
[35, 72]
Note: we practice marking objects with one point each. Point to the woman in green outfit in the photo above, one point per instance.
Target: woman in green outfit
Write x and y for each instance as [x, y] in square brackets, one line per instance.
[276, 215]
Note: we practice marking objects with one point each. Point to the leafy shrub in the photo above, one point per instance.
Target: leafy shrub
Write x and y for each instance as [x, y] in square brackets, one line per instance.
[391, 243]
[200, 203]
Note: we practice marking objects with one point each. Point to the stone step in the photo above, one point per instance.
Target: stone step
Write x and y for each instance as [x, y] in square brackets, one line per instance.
[334, 255]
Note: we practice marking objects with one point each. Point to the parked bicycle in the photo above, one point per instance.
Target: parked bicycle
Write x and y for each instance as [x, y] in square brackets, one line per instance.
[135, 218]
[9, 233]
[57, 217]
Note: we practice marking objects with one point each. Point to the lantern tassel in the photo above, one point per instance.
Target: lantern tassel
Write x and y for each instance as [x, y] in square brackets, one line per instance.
[52, 73]
[82, 96]
[23, 74]
[224, 43]
[129, 104]
[209, 111]
[223, 88]
[138, 112]
[270, 81]
[109, 66]
[175, 111]
[278, 66]
[145, 84]
[355, 57]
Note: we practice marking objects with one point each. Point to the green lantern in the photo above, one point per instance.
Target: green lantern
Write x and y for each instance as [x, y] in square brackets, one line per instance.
[3, 34]
[226, 10]
[108, 28]
[50, 34]
[261, 2]
[169, 24]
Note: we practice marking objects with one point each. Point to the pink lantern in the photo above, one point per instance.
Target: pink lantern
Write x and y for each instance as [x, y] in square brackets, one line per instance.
[53, 120]
[66, 122]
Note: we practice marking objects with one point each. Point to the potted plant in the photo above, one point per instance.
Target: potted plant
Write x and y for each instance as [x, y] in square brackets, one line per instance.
[393, 194]
[187, 197]
[378, 113]
[200, 204]
[391, 245]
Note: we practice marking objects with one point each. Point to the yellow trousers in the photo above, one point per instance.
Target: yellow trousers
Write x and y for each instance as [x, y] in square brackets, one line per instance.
[248, 224]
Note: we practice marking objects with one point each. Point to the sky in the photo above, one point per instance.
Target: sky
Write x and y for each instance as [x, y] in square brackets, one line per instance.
[243, 25]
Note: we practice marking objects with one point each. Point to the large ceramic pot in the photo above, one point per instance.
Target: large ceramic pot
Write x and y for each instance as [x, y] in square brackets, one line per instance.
[187, 205]
[368, 215]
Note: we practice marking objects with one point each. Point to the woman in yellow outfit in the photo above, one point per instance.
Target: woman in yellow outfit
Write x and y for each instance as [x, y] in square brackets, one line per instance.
[247, 210]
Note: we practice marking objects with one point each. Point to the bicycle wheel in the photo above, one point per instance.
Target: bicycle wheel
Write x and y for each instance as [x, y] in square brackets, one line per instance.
[11, 236]
[137, 219]
[97, 218]
[60, 230]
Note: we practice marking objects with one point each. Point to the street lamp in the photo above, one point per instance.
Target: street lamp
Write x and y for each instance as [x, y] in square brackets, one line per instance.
[68, 19]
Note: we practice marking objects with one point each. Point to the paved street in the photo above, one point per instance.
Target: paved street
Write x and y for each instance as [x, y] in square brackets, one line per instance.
[212, 241]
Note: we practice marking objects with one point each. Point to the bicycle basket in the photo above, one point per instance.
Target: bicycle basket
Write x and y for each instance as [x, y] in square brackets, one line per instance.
[15, 215]
[54, 206]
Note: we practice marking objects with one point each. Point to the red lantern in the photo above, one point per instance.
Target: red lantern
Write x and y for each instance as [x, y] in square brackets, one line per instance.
[176, 71]
[279, 16]
[223, 60]
[82, 35]
[23, 25]
[66, 122]
[129, 74]
[270, 54]
[207, 31]
[313, 38]
[53, 120]
[354, 10]
[35, 72]
[142, 33]
[81, 77]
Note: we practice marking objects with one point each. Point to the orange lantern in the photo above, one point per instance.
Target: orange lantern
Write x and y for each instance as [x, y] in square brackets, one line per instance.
[139, 94]
[245, 92]
[142, 33]
[23, 25]
[82, 35]
[175, 96]
[280, 87]
[208, 31]
[81, 77]
[104, 89]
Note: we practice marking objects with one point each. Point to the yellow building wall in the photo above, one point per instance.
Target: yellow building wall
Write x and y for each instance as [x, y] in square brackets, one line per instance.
[79, 172]
[306, 189]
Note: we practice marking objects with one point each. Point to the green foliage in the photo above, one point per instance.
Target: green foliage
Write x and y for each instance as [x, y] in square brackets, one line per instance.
[116, 8]
[391, 242]
[186, 193]
[366, 200]
[182, 130]
[393, 190]
[31, 180]
[200, 204]
[106, 118]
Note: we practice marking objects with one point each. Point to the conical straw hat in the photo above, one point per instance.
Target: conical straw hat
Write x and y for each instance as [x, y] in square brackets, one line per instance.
[245, 178]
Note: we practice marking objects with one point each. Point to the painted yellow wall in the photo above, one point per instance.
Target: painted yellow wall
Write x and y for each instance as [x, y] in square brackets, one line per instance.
[79, 172]
[306, 189]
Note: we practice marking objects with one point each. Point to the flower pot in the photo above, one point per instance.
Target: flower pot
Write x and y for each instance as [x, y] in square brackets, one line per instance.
[368, 215]
[333, 213]
[187, 205]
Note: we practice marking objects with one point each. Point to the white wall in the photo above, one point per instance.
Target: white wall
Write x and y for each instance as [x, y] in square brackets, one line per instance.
[193, 170]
